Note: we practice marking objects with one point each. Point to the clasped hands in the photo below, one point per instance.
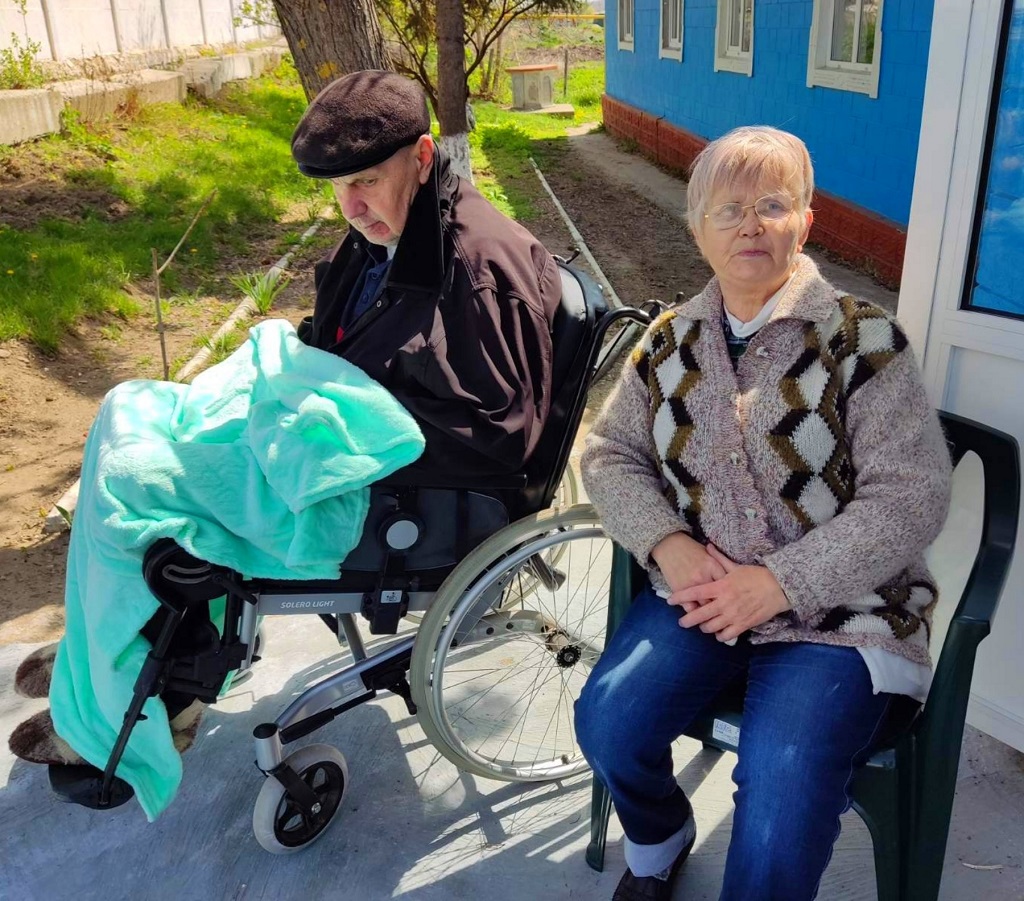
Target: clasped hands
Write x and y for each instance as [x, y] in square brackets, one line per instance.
[716, 593]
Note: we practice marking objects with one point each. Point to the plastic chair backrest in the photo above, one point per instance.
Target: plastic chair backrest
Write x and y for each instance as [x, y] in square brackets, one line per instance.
[972, 620]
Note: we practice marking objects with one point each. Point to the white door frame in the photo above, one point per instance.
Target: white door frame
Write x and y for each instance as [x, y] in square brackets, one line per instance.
[958, 95]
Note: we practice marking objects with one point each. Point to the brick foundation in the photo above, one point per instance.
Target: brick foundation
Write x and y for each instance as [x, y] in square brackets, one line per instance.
[856, 235]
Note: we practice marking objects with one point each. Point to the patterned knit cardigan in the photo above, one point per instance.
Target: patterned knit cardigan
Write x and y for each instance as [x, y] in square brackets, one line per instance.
[820, 458]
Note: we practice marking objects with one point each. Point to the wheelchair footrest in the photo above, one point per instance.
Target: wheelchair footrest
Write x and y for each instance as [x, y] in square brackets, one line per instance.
[82, 784]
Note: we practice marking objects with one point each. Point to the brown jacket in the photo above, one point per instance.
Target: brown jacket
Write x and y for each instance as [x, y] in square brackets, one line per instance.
[460, 334]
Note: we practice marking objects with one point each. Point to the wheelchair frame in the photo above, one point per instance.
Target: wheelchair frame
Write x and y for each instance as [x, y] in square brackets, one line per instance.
[184, 586]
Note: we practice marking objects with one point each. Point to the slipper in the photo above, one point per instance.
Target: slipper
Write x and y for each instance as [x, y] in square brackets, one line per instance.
[32, 678]
[36, 741]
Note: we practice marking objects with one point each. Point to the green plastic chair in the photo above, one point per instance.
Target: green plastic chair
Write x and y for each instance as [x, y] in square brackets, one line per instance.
[904, 792]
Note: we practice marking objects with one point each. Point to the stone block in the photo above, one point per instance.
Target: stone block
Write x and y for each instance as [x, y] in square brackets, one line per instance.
[236, 66]
[204, 76]
[96, 100]
[28, 114]
[533, 86]
[558, 110]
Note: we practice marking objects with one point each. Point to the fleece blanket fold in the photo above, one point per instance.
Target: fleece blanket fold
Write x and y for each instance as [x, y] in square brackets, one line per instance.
[261, 464]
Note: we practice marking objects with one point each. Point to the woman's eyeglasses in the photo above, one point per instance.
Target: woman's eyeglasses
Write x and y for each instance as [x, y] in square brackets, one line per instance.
[770, 208]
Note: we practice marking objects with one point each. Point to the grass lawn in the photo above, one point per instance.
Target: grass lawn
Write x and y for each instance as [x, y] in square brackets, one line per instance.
[504, 141]
[155, 170]
[145, 177]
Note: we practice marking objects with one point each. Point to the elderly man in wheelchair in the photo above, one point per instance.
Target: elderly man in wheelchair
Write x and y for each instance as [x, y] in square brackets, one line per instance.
[490, 345]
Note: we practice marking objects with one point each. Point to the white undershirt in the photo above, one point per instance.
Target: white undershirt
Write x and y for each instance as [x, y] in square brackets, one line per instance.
[745, 329]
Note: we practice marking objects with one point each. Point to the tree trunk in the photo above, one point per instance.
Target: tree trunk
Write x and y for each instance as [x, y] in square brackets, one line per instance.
[451, 84]
[331, 38]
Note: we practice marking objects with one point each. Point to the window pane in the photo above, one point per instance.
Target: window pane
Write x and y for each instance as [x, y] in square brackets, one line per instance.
[734, 23]
[748, 24]
[843, 16]
[868, 25]
[1000, 247]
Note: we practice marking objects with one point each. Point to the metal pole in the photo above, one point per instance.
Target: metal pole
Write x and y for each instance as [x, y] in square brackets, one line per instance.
[116, 19]
[51, 35]
[565, 75]
[202, 22]
[167, 28]
[234, 28]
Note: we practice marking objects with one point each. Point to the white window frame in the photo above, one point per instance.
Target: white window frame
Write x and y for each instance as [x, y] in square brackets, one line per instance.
[623, 20]
[825, 72]
[732, 58]
[670, 46]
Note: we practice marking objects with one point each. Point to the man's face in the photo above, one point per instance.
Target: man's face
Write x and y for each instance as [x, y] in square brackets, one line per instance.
[376, 201]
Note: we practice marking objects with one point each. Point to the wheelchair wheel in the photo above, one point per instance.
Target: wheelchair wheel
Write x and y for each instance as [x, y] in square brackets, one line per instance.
[278, 823]
[507, 644]
[568, 491]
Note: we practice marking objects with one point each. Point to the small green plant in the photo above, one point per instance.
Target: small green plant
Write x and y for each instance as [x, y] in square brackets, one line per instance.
[261, 289]
[111, 332]
[186, 298]
[19, 67]
[222, 347]
[82, 135]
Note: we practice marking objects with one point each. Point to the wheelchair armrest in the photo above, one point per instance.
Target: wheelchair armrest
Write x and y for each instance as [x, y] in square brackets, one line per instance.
[512, 481]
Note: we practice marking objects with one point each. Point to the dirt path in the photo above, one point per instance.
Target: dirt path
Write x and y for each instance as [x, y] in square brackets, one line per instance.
[48, 403]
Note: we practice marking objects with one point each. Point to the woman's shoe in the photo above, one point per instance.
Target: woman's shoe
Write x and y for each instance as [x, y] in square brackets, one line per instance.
[651, 888]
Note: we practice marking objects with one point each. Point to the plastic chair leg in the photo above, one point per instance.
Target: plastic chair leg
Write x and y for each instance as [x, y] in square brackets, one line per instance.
[600, 811]
[877, 801]
[626, 579]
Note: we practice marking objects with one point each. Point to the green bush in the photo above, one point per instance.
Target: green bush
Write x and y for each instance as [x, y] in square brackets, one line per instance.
[18, 66]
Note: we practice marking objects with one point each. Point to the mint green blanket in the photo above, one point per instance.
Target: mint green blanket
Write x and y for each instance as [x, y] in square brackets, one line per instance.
[261, 464]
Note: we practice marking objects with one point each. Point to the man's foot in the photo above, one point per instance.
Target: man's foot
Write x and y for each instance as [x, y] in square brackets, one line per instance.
[655, 888]
[36, 741]
[32, 678]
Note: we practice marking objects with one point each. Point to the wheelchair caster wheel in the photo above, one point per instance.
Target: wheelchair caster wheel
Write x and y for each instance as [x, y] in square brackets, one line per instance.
[278, 823]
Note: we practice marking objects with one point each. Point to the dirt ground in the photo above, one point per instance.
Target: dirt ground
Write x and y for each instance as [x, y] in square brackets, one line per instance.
[47, 403]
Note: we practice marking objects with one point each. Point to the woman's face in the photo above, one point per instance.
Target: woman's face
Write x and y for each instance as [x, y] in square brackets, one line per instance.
[754, 256]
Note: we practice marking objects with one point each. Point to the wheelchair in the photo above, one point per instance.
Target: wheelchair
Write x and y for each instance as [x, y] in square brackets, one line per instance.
[511, 599]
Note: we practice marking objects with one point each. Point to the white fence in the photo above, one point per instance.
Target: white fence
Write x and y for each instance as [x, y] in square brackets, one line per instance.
[74, 29]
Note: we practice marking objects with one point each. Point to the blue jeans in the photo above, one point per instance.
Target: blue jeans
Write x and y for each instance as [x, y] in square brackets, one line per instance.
[809, 716]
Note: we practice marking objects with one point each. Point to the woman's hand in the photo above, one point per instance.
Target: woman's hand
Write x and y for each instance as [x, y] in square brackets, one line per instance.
[744, 597]
[685, 563]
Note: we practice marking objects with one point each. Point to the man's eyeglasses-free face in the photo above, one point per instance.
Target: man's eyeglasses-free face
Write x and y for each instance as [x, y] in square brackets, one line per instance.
[770, 208]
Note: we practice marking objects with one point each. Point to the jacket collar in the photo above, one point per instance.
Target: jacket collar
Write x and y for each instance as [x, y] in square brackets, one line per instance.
[419, 262]
[809, 297]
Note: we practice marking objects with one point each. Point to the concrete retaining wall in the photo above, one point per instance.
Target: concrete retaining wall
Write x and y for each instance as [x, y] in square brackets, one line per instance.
[29, 114]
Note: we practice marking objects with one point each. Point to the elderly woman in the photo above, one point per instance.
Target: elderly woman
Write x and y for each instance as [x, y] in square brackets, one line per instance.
[771, 458]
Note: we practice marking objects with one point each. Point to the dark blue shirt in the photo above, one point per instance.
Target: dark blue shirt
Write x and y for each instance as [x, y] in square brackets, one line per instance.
[366, 289]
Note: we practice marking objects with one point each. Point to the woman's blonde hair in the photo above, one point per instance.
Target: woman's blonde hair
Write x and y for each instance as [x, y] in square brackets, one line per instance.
[758, 154]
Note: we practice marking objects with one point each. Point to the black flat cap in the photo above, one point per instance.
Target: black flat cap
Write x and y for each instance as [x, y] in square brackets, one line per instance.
[359, 121]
